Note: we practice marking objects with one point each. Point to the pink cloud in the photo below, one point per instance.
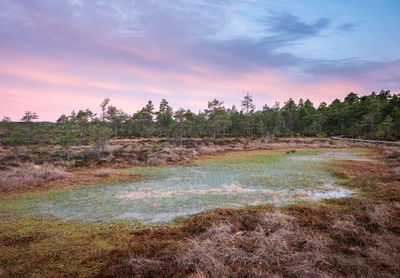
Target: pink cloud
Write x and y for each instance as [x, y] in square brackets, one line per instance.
[60, 86]
[69, 91]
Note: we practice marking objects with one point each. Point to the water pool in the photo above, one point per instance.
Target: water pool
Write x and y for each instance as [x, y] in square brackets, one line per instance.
[228, 181]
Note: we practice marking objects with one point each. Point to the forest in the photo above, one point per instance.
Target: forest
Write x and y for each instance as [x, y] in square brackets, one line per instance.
[374, 116]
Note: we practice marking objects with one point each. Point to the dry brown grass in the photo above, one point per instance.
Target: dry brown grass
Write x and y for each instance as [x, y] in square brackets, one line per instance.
[277, 246]
[29, 174]
[301, 241]
[156, 151]
[281, 247]
[29, 177]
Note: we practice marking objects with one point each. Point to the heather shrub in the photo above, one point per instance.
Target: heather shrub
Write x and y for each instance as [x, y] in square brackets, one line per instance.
[28, 174]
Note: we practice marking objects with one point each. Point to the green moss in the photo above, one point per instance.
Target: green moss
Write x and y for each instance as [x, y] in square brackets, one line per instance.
[50, 248]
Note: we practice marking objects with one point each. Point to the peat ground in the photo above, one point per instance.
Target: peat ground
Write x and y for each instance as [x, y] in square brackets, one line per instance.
[353, 236]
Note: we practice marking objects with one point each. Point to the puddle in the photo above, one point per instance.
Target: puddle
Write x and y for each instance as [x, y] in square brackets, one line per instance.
[232, 181]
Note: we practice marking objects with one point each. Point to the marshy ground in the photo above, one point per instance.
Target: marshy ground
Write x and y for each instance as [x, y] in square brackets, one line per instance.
[354, 235]
[231, 180]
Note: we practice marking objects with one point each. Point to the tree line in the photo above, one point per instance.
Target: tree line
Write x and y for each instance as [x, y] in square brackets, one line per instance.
[374, 116]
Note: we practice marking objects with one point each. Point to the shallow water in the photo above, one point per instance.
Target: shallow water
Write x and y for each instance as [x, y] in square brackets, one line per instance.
[229, 181]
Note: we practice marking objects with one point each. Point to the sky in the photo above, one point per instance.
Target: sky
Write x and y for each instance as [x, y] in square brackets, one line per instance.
[62, 55]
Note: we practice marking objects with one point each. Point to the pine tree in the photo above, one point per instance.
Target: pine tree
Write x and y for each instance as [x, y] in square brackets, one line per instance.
[164, 118]
[68, 133]
[28, 119]
[248, 109]
[15, 136]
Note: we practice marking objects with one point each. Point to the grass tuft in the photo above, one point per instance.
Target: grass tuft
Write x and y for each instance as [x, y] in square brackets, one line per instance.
[28, 174]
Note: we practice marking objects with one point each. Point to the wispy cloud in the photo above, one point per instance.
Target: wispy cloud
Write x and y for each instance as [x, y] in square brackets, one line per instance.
[287, 28]
[135, 50]
[347, 26]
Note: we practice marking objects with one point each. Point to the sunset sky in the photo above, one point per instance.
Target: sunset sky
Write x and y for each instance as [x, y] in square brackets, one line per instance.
[62, 55]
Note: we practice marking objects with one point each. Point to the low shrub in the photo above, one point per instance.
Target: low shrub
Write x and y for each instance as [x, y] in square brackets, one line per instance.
[28, 174]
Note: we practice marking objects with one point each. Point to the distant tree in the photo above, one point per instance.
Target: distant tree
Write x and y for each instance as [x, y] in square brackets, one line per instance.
[104, 128]
[83, 119]
[395, 114]
[99, 131]
[217, 116]
[200, 123]
[373, 115]
[15, 136]
[179, 117]
[67, 133]
[189, 122]
[351, 98]
[6, 119]
[301, 104]
[278, 125]
[368, 116]
[289, 112]
[320, 119]
[335, 123]
[164, 118]
[385, 128]
[95, 135]
[116, 117]
[248, 110]
[237, 120]
[144, 120]
[247, 104]
[306, 116]
[384, 95]
[28, 119]
[260, 127]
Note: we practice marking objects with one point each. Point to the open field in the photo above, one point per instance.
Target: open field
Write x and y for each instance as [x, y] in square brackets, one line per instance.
[355, 235]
